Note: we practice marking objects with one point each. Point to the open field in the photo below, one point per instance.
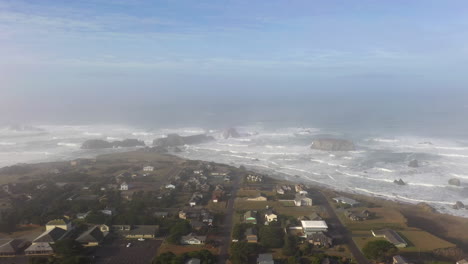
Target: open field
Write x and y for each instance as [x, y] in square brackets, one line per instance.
[422, 240]
[178, 249]
[384, 218]
[279, 207]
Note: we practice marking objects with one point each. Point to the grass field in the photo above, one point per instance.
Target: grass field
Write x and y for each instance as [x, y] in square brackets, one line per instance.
[422, 240]
[384, 218]
[279, 207]
[177, 249]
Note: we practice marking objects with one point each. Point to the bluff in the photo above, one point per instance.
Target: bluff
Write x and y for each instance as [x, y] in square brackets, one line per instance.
[174, 140]
[331, 144]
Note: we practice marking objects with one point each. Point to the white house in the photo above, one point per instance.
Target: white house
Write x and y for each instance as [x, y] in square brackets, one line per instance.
[124, 186]
[148, 168]
[270, 217]
[193, 240]
[310, 226]
[170, 186]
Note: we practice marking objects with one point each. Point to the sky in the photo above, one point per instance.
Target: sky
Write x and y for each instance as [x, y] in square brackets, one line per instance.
[114, 56]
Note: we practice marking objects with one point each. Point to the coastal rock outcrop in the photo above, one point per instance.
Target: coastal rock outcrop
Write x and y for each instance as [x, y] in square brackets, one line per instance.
[426, 207]
[231, 133]
[174, 140]
[413, 164]
[331, 144]
[454, 181]
[103, 144]
[399, 182]
[129, 143]
[96, 144]
[458, 205]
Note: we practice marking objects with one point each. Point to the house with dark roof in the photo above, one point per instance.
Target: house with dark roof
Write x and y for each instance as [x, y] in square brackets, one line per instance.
[251, 235]
[91, 237]
[41, 248]
[320, 239]
[51, 236]
[266, 258]
[392, 237]
[250, 217]
[192, 240]
[13, 247]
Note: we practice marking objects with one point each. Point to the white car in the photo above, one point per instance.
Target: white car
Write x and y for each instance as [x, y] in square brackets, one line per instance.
[141, 239]
[129, 244]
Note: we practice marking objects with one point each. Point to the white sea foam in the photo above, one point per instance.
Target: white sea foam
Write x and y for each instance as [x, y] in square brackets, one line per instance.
[459, 176]
[7, 143]
[384, 170]
[145, 134]
[454, 155]
[92, 134]
[232, 145]
[65, 144]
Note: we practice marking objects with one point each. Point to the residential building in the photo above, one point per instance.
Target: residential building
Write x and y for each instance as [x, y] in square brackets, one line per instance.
[59, 223]
[124, 186]
[401, 260]
[83, 215]
[104, 229]
[320, 239]
[13, 247]
[193, 240]
[463, 261]
[193, 261]
[148, 168]
[92, 237]
[345, 200]
[251, 235]
[270, 216]
[310, 226]
[139, 231]
[258, 198]
[266, 258]
[51, 235]
[250, 217]
[39, 249]
[254, 178]
[279, 190]
[392, 237]
[302, 200]
[160, 214]
[170, 186]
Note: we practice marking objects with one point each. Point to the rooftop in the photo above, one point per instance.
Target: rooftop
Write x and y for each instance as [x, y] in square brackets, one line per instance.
[314, 224]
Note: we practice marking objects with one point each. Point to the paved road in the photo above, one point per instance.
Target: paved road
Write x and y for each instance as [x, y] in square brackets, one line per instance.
[227, 224]
[335, 221]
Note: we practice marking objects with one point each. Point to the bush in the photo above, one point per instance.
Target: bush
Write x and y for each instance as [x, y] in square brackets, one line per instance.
[379, 250]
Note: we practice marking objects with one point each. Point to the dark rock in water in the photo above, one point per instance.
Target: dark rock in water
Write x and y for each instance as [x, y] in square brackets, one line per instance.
[413, 164]
[128, 143]
[96, 144]
[330, 144]
[454, 181]
[426, 143]
[173, 140]
[177, 150]
[231, 133]
[399, 182]
[458, 205]
[102, 144]
[256, 159]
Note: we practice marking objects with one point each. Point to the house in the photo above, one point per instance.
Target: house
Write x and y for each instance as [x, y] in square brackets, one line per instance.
[170, 186]
[13, 247]
[258, 198]
[104, 229]
[392, 237]
[401, 260]
[182, 214]
[192, 240]
[148, 168]
[119, 228]
[254, 178]
[39, 249]
[107, 211]
[124, 186]
[51, 235]
[302, 200]
[463, 261]
[345, 200]
[310, 226]
[279, 190]
[320, 239]
[299, 188]
[193, 261]
[83, 215]
[92, 237]
[270, 216]
[250, 217]
[266, 258]
[198, 172]
[251, 235]
[59, 223]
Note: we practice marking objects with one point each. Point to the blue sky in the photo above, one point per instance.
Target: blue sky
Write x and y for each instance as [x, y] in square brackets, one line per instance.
[158, 51]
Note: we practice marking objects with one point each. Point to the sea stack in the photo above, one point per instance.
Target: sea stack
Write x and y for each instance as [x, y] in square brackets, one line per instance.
[454, 181]
[331, 144]
[230, 133]
[399, 182]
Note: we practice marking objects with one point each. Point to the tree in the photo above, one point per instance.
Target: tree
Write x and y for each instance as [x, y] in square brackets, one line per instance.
[290, 243]
[240, 252]
[379, 250]
[164, 258]
[271, 237]
[182, 227]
